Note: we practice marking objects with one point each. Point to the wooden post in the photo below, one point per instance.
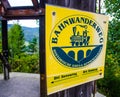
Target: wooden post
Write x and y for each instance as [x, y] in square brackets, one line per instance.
[43, 90]
[5, 47]
[84, 90]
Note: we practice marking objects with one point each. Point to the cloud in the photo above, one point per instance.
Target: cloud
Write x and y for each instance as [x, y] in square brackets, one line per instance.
[20, 2]
[26, 23]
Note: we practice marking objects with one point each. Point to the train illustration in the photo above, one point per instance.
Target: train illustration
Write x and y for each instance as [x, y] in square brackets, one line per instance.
[80, 38]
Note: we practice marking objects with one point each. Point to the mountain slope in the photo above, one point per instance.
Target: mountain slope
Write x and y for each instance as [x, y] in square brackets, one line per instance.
[29, 33]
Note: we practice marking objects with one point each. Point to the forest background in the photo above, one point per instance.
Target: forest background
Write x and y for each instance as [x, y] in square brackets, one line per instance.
[25, 58]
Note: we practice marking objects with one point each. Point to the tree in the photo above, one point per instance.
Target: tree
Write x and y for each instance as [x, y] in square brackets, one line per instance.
[111, 82]
[21, 61]
[113, 8]
[16, 40]
[32, 47]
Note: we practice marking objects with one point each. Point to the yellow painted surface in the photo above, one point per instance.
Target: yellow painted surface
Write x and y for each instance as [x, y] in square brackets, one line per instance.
[66, 26]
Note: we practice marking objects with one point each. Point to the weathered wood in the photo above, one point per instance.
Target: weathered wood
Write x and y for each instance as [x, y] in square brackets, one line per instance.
[87, 5]
[35, 4]
[24, 12]
[1, 9]
[19, 13]
[84, 90]
[5, 47]
[5, 4]
[42, 58]
[99, 6]
[43, 90]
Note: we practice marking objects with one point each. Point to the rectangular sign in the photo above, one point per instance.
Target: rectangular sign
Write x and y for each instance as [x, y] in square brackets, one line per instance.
[75, 47]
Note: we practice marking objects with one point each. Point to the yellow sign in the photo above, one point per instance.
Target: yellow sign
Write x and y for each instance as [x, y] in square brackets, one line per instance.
[75, 47]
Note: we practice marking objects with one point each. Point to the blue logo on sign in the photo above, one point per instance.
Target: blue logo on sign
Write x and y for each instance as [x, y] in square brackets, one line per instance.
[80, 52]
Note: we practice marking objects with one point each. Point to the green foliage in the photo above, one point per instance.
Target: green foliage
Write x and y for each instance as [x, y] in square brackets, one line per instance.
[20, 59]
[32, 47]
[16, 40]
[113, 8]
[111, 82]
[26, 63]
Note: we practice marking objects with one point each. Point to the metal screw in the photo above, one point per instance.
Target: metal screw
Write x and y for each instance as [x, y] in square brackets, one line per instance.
[53, 13]
[104, 22]
[40, 11]
[81, 93]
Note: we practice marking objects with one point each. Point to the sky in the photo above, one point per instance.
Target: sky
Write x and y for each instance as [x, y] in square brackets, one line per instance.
[26, 23]
[20, 2]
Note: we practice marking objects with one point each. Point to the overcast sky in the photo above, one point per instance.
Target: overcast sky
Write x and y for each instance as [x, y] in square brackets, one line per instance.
[20, 2]
[27, 23]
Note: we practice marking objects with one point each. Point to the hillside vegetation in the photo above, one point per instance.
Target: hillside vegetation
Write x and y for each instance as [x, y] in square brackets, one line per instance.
[22, 57]
[110, 85]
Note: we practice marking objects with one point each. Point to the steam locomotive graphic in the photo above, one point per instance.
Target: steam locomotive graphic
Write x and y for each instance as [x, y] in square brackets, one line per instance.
[80, 40]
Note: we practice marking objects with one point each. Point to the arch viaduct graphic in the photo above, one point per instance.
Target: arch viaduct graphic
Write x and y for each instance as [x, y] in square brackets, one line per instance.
[78, 53]
[77, 56]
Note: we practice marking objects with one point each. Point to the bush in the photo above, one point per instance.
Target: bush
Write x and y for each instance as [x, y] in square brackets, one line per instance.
[110, 84]
[26, 63]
